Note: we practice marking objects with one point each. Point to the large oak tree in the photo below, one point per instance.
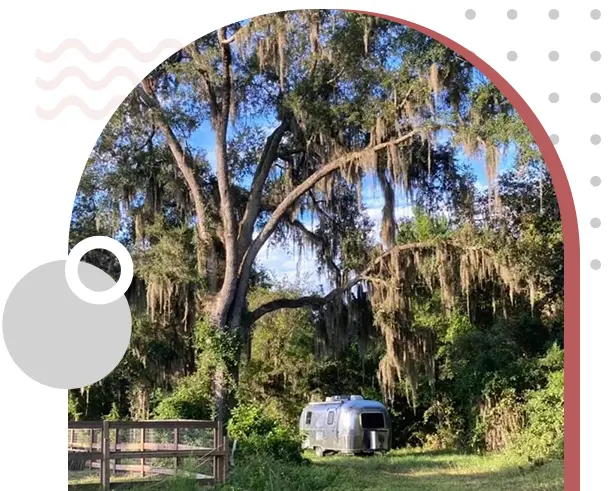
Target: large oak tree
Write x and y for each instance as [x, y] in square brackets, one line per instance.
[302, 106]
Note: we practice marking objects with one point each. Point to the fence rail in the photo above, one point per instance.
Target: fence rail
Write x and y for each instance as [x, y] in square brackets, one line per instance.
[98, 443]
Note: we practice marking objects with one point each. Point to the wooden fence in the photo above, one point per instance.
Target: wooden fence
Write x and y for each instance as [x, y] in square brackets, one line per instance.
[96, 445]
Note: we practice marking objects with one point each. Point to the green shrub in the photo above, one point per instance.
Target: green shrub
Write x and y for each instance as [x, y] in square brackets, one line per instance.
[190, 400]
[543, 435]
[544, 432]
[258, 434]
[114, 414]
[73, 413]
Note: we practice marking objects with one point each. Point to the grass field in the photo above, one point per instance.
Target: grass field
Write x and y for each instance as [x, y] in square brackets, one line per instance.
[400, 470]
[447, 472]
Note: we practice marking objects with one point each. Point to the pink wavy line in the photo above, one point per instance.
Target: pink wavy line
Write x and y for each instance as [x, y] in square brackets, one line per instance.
[78, 102]
[121, 43]
[73, 71]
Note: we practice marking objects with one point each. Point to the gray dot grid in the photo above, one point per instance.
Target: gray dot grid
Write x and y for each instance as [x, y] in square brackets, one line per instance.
[595, 97]
[595, 140]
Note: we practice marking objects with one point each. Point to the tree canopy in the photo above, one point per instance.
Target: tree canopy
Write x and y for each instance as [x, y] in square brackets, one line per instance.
[304, 107]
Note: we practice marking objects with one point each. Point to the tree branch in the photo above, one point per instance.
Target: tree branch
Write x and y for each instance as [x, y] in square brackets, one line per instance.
[319, 209]
[288, 201]
[255, 197]
[227, 209]
[227, 74]
[317, 301]
[180, 157]
[320, 241]
[202, 213]
[298, 191]
[207, 85]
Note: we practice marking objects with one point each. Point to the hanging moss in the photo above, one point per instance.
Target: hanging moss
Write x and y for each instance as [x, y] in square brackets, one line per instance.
[453, 267]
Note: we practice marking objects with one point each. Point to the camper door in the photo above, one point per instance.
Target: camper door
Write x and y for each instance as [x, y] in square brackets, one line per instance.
[330, 428]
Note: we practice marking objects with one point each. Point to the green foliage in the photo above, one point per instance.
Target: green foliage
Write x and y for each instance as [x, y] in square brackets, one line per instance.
[423, 227]
[258, 434]
[543, 435]
[73, 413]
[114, 414]
[189, 400]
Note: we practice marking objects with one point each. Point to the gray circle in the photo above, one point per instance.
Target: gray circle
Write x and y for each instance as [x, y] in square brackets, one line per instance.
[553, 14]
[596, 222]
[553, 97]
[59, 340]
[595, 181]
[595, 14]
[512, 14]
[554, 56]
[511, 56]
[470, 14]
[595, 139]
[595, 97]
[596, 264]
[596, 56]
[554, 139]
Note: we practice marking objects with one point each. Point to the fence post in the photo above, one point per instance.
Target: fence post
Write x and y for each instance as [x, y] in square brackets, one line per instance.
[105, 456]
[143, 447]
[115, 449]
[176, 442]
[216, 440]
[225, 461]
[91, 447]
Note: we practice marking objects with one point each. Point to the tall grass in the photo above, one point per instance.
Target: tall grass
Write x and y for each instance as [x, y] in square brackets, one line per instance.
[399, 470]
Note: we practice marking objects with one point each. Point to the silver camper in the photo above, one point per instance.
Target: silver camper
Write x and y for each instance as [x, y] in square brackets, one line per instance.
[346, 424]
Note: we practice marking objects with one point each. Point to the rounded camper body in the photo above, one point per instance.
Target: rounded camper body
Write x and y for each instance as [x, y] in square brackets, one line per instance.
[347, 425]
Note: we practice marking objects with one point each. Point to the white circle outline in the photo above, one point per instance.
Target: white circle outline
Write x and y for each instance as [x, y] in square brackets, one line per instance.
[73, 279]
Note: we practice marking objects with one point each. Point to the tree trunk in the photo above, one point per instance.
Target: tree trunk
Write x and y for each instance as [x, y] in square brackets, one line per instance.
[220, 393]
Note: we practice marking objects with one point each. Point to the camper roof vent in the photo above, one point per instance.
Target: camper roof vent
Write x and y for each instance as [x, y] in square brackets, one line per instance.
[356, 398]
[337, 398]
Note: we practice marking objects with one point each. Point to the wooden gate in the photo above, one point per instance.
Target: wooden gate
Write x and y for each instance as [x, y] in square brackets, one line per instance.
[97, 445]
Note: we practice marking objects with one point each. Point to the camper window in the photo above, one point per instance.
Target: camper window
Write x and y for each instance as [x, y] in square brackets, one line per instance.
[371, 421]
[308, 417]
[330, 418]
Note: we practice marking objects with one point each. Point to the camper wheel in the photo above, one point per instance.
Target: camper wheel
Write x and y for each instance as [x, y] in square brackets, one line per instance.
[319, 452]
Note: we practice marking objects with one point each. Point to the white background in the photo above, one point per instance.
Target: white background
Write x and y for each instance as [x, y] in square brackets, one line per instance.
[42, 160]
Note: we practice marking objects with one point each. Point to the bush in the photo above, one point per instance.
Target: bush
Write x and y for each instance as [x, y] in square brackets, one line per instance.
[544, 433]
[543, 436]
[190, 400]
[260, 435]
[73, 413]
